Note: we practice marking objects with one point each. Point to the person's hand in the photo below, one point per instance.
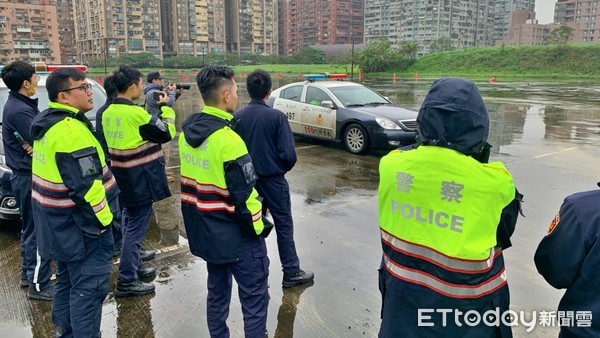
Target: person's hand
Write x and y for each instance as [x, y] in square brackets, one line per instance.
[171, 86]
[163, 98]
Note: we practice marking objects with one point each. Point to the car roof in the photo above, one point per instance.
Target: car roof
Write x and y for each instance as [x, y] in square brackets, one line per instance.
[44, 77]
[327, 84]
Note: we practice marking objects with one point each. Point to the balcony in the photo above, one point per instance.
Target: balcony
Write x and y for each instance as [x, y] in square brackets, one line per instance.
[23, 29]
[37, 45]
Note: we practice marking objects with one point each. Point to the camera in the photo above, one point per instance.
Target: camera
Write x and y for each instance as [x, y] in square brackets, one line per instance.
[182, 86]
[156, 96]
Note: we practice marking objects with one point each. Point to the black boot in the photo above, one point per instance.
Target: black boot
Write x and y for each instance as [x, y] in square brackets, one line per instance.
[135, 288]
[298, 278]
[147, 255]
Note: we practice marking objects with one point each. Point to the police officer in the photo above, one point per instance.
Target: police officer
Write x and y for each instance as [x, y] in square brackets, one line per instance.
[73, 191]
[270, 142]
[442, 233]
[133, 137]
[19, 111]
[221, 210]
[569, 258]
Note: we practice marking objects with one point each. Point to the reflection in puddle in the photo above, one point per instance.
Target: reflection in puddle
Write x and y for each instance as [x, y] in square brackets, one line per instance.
[134, 317]
[287, 310]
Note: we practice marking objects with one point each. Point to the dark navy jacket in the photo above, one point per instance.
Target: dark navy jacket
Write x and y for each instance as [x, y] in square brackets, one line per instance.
[19, 111]
[268, 137]
[569, 258]
[215, 235]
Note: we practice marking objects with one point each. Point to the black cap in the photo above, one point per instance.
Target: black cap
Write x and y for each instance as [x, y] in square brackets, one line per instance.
[153, 76]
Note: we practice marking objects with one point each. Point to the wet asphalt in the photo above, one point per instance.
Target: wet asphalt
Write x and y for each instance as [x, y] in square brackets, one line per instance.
[551, 153]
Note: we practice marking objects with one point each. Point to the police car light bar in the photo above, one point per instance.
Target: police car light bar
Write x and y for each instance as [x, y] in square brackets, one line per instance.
[312, 77]
[325, 76]
[41, 67]
[52, 68]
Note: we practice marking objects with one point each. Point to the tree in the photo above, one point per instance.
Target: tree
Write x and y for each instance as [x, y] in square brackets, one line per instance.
[560, 36]
[310, 56]
[409, 50]
[442, 44]
[378, 56]
[137, 60]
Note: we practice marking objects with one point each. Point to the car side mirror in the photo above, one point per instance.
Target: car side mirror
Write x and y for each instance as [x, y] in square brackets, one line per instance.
[327, 104]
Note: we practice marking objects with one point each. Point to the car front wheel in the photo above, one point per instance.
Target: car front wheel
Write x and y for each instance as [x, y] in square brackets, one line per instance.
[356, 139]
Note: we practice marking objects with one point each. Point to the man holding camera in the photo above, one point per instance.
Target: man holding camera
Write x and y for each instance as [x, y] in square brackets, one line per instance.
[154, 85]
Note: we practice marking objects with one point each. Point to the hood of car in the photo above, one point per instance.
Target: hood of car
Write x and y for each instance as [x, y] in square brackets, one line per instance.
[391, 112]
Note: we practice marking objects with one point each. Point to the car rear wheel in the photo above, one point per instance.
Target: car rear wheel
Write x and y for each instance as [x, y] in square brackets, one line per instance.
[356, 139]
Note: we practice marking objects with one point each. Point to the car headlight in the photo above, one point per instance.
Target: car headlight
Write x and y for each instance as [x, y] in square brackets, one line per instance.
[387, 123]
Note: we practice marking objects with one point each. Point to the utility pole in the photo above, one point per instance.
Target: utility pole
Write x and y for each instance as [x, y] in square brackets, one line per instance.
[352, 61]
[105, 56]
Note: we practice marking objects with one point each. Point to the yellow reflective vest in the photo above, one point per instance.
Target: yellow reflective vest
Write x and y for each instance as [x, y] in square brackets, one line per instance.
[218, 199]
[133, 137]
[72, 185]
[438, 205]
[439, 212]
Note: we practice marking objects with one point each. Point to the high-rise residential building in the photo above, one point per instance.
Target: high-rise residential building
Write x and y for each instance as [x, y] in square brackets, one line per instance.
[192, 27]
[251, 26]
[465, 23]
[108, 28]
[503, 13]
[66, 32]
[29, 31]
[584, 16]
[303, 23]
[377, 20]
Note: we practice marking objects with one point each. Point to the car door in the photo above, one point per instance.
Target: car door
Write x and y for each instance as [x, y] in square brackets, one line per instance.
[289, 103]
[318, 121]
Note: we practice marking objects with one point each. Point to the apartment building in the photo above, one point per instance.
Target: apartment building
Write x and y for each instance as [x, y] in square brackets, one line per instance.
[377, 19]
[467, 23]
[108, 28]
[503, 10]
[584, 16]
[252, 26]
[192, 27]
[29, 31]
[303, 23]
[66, 32]
[525, 30]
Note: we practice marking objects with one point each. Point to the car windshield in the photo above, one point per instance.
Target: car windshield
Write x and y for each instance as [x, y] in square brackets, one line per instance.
[97, 94]
[354, 96]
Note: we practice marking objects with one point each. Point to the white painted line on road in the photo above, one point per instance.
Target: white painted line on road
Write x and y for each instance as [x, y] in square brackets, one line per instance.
[554, 153]
[307, 147]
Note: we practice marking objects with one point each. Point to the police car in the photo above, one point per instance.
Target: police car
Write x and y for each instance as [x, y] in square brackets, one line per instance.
[8, 204]
[323, 107]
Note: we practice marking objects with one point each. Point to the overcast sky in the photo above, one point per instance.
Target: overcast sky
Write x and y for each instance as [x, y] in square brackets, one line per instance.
[544, 10]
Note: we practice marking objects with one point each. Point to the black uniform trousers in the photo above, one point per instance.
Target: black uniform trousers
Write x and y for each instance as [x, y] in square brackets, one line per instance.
[81, 287]
[275, 192]
[251, 275]
[36, 270]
